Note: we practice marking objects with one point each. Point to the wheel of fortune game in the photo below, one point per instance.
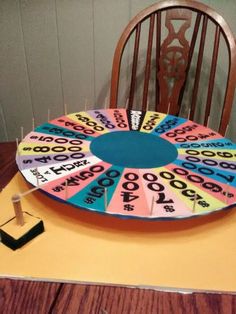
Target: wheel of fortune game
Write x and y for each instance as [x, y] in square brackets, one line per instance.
[132, 164]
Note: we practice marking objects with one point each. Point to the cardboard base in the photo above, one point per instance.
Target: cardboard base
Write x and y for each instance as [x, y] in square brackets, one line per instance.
[80, 246]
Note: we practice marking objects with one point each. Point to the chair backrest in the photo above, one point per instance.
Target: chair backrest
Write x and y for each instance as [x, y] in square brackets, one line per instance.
[173, 58]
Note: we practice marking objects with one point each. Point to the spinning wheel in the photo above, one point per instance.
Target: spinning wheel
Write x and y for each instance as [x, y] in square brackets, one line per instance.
[131, 163]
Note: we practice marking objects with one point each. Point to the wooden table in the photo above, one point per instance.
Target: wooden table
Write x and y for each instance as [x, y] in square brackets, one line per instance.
[21, 296]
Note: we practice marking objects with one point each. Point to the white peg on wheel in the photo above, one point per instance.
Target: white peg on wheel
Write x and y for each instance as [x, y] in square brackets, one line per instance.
[152, 205]
[226, 131]
[65, 109]
[105, 198]
[86, 105]
[18, 209]
[127, 104]
[22, 133]
[194, 202]
[168, 110]
[189, 112]
[33, 124]
[106, 104]
[208, 121]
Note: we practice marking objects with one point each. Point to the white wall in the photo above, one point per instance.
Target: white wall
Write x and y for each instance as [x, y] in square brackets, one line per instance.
[60, 51]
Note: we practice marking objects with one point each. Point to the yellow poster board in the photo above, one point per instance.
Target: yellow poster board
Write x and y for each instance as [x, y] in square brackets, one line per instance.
[80, 246]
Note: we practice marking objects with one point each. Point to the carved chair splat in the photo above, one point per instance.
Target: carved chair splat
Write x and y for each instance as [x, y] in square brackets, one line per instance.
[173, 58]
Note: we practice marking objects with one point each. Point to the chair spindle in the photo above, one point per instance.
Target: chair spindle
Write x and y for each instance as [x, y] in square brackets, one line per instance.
[148, 62]
[199, 65]
[212, 73]
[134, 66]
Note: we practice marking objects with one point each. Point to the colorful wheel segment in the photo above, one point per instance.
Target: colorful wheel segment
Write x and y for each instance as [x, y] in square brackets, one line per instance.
[131, 164]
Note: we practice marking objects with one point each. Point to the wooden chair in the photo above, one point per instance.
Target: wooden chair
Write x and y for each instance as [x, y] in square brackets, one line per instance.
[173, 59]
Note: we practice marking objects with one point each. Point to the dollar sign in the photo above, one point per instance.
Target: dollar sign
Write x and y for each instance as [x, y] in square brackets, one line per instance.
[128, 207]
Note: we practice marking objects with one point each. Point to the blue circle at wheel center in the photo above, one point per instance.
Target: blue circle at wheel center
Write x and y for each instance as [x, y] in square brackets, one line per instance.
[133, 149]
